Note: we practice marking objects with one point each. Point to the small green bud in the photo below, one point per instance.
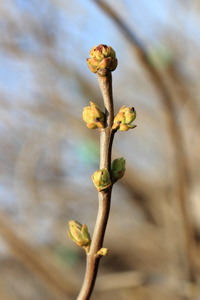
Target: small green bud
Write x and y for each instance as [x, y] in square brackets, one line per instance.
[101, 179]
[125, 116]
[79, 234]
[102, 252]
[118, 168]
[93, 116]
[102, 58]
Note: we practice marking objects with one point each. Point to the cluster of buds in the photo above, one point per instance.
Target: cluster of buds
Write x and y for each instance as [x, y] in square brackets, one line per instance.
[101, 179]
[117, 168]
[102, 58]
[124, 118]
[102, 61]
[79, 234]
[93, 116]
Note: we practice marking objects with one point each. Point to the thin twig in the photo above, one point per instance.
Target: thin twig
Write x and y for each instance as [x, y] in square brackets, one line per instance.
[106, 139]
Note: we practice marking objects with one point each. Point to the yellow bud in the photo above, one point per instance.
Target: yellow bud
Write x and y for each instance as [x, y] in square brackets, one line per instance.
[79, 234]
[101, 179]
[123, 119]
[93, 116]
[102, 252]
[102, 58]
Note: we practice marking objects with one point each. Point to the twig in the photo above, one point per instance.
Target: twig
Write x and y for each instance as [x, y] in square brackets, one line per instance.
[106, 139]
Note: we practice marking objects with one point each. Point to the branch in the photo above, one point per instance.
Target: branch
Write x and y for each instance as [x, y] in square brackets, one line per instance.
[102, 61]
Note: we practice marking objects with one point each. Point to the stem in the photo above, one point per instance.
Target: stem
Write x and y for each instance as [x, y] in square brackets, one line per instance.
[106, 139]
[106, 135]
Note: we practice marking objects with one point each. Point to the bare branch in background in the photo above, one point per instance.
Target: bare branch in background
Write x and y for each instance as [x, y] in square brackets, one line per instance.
[181, 168]
[57, 282]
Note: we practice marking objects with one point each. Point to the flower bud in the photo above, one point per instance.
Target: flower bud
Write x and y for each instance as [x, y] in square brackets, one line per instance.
[117, 168]
[101, 179]
[101, 58]
[79, 234]
[93, 116]
[125, 116]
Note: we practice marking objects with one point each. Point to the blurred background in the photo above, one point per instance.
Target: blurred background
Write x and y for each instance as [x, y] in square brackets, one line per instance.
[47, 154]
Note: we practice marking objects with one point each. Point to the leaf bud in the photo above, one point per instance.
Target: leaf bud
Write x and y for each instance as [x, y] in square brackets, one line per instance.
[117, 168]
[102, 252]
[79, 234]
[101, 179]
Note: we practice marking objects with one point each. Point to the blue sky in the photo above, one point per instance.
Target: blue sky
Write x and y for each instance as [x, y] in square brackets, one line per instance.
[78, 28]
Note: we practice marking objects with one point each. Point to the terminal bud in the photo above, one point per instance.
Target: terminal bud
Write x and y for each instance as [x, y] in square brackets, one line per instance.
[102, 58]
